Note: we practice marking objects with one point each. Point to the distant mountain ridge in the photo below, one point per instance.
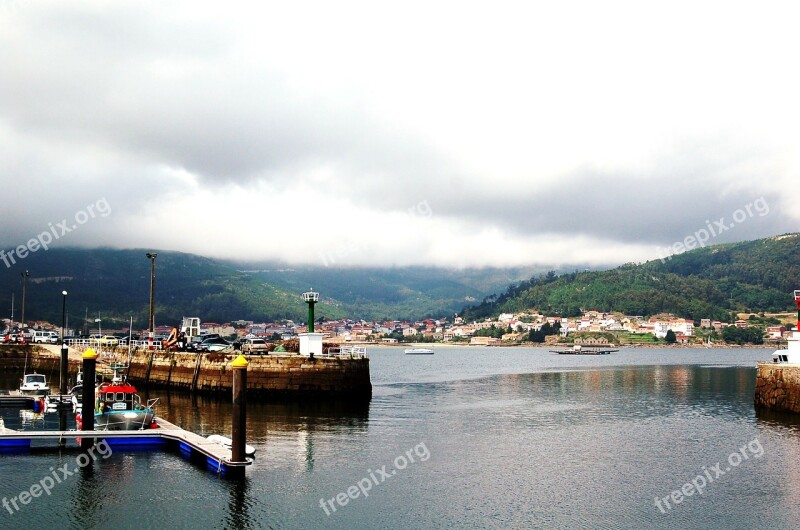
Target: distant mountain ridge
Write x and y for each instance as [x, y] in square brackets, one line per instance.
[709, 282]
[114, 285]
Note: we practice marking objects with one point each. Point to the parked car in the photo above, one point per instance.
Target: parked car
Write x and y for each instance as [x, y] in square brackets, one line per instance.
[45, 337]
[214, 344]
[195, 345]
[255, 346]
[108, 340]
[13, 338]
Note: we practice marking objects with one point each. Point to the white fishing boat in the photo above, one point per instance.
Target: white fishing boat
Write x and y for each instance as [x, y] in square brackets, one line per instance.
[34, 385]
[419, 351]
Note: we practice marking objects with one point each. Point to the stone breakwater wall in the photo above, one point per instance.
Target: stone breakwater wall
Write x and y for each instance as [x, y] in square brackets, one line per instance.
[288, 375]
[38, 358]
[778, 387]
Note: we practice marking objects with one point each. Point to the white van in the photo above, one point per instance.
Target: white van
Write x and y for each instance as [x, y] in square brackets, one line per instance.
[49, 337]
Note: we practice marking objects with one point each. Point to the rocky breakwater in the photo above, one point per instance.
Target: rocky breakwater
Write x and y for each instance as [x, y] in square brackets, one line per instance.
[778, 387]
[285, 375]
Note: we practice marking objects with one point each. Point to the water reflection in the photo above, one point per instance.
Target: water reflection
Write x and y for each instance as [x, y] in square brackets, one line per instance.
[239, 504]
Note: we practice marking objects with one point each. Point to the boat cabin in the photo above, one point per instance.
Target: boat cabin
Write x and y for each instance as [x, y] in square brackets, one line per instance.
[117, 397]
[34, 380]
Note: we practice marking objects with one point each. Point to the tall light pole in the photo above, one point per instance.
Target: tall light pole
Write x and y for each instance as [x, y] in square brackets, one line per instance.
[151, 321]
[63, 316]
[62, 413]
[24, 287]
[64, 358]
[100, 334]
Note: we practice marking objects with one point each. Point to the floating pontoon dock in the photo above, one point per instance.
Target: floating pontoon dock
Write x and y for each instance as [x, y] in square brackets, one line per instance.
[189, 444]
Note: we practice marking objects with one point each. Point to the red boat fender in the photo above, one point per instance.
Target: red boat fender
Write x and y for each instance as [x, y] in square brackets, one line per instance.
[79, 421]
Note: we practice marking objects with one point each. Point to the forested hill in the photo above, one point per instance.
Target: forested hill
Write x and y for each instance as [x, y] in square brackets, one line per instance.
[708, 282]
[114, 285]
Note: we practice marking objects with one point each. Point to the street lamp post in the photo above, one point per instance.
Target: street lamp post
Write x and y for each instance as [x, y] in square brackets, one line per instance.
[100, 335]
[64, 357]
[151, 321]
[24, 288]
[62, 412]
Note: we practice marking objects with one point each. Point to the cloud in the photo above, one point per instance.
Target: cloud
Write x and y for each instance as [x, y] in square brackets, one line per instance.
[533, 132]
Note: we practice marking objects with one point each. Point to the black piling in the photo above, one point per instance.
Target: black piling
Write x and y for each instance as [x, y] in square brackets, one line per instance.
[87, 407]
[62, 413]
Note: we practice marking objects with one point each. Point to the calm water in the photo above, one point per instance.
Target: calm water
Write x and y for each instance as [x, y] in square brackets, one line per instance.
[466, 438]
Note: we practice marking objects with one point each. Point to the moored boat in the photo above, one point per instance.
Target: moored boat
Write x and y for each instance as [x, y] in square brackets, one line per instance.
[34, 385]
[419, 351]
[119, 407]
[580, 349]
[227, 443]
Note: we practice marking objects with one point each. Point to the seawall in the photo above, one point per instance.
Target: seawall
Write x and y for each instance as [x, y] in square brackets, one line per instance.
[778, 387]
[285, 375]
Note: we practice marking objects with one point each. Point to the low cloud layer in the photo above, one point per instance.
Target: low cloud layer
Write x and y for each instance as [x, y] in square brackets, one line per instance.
[428, 133]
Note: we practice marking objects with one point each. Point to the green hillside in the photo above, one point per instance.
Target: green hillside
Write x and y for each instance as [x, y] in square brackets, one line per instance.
[710, 282]
[406, 293]
[115, 284]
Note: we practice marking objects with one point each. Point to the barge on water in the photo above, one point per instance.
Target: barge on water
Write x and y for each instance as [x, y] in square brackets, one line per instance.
[581, 349]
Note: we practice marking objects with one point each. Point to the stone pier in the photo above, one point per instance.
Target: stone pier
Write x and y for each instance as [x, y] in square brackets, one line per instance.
[288, 375]
[284, 374]
[778, 387]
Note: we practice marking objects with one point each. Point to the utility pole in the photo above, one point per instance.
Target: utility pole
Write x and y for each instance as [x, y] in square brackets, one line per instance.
[151, 321]
[24, 287]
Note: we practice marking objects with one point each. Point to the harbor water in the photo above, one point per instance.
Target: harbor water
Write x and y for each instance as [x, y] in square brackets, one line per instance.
[464, 438]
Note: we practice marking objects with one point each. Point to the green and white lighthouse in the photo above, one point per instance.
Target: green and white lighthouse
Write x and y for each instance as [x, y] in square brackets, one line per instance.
[311, 342]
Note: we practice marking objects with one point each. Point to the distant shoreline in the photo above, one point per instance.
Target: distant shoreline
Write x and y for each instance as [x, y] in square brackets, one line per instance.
[776, 346]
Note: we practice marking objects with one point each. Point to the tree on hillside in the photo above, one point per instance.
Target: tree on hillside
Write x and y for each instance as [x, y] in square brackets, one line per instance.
[545, 331]
[670, 338]
[736, 335]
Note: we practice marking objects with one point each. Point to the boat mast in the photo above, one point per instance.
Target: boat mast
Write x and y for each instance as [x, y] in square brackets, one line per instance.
[130, 335]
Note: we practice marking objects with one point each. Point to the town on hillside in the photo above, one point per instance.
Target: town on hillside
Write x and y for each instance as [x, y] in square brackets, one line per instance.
[591, 328]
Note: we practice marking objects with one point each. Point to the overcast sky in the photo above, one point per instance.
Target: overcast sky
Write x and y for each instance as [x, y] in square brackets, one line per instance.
[377, 133]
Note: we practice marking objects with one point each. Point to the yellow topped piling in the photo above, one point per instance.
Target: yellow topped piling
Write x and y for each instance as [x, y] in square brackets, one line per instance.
[239, 362]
